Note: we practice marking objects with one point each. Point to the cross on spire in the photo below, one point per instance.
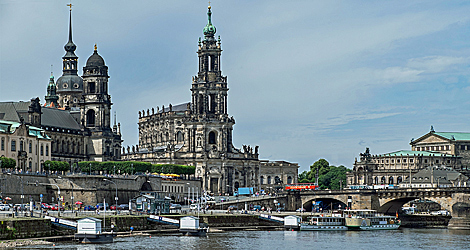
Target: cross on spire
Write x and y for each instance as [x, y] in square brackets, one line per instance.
[209, 3]
[70, 5]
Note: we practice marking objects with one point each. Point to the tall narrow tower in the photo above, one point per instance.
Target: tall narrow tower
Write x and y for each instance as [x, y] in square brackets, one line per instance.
[69, 85]
[209, 87]
[51, 97]
[96, 103]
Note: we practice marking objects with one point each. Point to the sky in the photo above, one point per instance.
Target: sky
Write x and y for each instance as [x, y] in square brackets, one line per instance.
[307, 79]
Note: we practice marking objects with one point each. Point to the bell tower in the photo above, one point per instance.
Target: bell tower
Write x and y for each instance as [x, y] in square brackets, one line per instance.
[209, 87]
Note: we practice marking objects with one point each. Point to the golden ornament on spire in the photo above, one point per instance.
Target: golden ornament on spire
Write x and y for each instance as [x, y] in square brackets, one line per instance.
[96, 47]
[70, 5]
[209, 5]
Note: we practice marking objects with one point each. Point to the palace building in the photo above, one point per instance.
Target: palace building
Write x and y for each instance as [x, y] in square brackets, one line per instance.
[434, 149]
[76, 115]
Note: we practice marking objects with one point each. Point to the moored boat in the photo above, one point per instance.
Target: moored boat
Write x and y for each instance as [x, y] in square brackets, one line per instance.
[369, 220]
[324, 222]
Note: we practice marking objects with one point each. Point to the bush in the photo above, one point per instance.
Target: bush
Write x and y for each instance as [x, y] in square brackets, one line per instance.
[131, 167]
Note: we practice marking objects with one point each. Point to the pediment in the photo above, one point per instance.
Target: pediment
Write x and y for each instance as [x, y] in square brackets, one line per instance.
[430, 138]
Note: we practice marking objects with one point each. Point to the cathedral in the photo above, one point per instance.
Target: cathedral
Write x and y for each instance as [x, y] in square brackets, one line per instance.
[76, 114]
[199, 133]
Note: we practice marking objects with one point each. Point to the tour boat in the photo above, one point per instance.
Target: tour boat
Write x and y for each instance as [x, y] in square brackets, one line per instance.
[324, 222]
[369, 220]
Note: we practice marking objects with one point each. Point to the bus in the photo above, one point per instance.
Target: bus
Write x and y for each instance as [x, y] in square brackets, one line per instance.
[302, 186]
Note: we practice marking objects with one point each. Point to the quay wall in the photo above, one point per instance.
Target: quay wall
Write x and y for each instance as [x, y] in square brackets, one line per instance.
[424, 221]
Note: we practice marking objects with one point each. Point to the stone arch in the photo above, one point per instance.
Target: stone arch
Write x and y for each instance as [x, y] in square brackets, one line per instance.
[289, 180]
[90, 118]
[327, 203]
[146, 187]
[399, 180]
[383, 180]
[261, 180]
[390, 180]
[212, 137]
[376, 180]
[391, 205]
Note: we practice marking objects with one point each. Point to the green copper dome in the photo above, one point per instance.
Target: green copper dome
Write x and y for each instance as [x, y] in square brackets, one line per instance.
[210, 29]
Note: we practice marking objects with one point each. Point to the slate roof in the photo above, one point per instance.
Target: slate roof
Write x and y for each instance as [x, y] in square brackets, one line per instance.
[444, 175]
[11, 111]
[58, 118]
[178, 107]
[416, 153]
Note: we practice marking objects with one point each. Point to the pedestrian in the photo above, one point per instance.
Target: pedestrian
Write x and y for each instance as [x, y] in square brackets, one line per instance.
[132, 229]
[112, 228]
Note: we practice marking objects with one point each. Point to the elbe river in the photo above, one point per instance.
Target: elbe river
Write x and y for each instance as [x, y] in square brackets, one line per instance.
[289, 240]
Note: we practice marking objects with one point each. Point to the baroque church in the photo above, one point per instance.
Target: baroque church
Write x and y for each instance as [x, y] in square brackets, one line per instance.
[76, 114]
[199, 133]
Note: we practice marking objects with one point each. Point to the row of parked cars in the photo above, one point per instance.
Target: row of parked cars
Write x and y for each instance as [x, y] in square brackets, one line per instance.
[11, 207]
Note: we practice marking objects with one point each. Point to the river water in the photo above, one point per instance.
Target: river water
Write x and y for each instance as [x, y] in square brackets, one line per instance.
[290, 240]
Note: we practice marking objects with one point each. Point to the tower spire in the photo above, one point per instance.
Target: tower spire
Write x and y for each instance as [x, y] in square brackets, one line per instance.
[70, 22]
[209, 30]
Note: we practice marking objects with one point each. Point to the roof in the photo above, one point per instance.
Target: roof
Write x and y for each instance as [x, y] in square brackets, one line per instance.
[178, 107]
[11, 111]
[441, 175]
[90, 218]
[416, 153]
[58, 118]
[10, 127]
[457, 136]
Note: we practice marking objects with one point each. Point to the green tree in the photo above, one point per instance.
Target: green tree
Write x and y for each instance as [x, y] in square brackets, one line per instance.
[329, 177]
[8, 162]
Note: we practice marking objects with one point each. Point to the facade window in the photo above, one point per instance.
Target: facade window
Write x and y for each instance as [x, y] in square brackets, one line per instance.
[448, 147]
[398, 160]
[289, 180]
[212, 137]
[404, 160]
[3, 144]
[30, 164]
[382, 161]
[437, 161]
[47, 150]
[21, 145]
[411, 160]
[13, 145]
[199, 142]
[462, 147]
[425, 160]
[418, 148]
[393, 161]
[269, 179]
[261, 180]
[42, 150]
[386, 161]
[448, 161]
[30, 148]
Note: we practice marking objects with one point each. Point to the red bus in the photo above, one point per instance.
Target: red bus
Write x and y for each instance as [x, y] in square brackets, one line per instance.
[302, 186]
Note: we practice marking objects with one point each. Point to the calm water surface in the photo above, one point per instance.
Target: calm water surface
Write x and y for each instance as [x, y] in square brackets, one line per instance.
[390, 240]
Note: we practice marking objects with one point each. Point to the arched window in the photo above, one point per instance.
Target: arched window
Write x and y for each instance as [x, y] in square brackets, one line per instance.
[179, 136]
[382, 181]
[399, 180]
[261, 180]
[91, 87]
[237, 185]
[90, 118]
[390, 180]
[42, 150]
[289, 180]
[30, 148]
[269, 179]
[212, 137]
[277, 180]
[376, 180]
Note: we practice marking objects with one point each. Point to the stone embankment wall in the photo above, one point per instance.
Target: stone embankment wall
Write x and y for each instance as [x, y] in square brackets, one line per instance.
[424, 221]
[23, 228]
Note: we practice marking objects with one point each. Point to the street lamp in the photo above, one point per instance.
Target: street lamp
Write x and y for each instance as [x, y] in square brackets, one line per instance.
[115, 198]
[90, 168]
[189, 191]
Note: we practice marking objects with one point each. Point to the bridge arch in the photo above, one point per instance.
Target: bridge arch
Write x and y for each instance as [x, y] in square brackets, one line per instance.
[393, 205]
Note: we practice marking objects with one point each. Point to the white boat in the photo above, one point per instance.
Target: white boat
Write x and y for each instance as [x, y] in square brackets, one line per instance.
[324, 222]
[369, 220]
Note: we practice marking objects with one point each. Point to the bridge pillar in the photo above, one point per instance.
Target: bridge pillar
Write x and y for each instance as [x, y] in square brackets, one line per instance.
[460, 211]
[365, 201]
[294, 201]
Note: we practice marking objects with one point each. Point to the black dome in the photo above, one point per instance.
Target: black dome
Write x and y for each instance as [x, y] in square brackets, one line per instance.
[95, 60]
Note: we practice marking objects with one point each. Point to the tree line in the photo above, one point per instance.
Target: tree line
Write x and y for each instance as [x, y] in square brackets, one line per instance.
[329, 177]
[7, 162]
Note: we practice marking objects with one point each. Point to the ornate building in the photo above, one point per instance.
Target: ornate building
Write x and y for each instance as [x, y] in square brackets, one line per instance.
[434, 149]
[77, 111]
[199, 133]
[275, 174]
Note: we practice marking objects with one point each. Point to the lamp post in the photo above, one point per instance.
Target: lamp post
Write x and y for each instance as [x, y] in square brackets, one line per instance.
[189, 190]
[90, 169]
[115, 198]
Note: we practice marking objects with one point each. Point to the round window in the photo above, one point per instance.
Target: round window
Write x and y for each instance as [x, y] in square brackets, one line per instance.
[76, 85]
[65, 86]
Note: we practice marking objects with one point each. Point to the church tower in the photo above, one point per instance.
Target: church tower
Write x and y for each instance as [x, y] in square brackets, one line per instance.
[209, 98]
[51, 97]
[96, 103]
[209, 88]
[69, 85]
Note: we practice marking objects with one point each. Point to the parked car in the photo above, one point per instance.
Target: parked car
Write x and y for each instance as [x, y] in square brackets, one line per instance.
[20, 207]
[45, 206]
[193, 206]
[175, 206]
[224, 199]
[124, 206]
[113, 207]
[4, 207]
[89, 208]
[55, 207]
[300, 210]
[101, 206]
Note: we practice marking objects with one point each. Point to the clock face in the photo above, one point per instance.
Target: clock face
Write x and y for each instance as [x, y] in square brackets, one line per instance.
[65, 86]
